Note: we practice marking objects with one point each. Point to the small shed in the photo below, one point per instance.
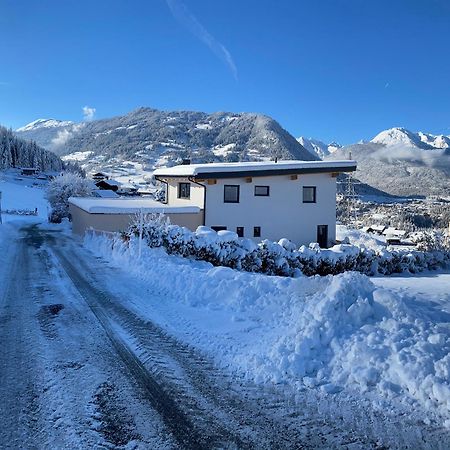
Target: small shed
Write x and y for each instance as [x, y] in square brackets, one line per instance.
[116, 214]
[28, 171]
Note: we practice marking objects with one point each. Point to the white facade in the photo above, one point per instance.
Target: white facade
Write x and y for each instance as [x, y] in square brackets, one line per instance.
[282, 213]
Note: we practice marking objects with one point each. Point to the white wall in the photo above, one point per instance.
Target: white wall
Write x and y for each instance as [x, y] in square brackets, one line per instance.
[282, 214]
[82, 220]
[196, 194]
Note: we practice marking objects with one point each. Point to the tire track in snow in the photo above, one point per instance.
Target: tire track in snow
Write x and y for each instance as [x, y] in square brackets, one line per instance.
[187, 433]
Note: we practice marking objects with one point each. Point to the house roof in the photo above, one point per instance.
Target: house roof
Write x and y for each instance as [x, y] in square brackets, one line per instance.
[109, 182]
[95, 205]
[260, 168]
[105, 193]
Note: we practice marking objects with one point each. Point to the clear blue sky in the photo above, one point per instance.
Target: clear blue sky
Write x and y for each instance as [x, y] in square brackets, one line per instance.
[332, 69]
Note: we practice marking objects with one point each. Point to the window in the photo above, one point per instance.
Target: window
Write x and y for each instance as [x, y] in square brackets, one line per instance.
[256, 231]
[240, 231]
[309, 194]
[218, 228]
[231, 193]
[261, 191]
[184, 190]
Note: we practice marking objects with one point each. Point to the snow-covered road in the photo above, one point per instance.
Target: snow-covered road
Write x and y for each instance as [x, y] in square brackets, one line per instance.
[81, 368]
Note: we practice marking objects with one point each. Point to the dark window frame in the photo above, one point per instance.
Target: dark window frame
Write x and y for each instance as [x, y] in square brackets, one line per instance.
[257, 232]
[240, 231]
[314, 194]
[238, 192]
[180, 189]
[262, 195]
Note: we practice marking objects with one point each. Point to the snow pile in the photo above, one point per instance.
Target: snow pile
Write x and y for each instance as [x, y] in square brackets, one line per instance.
[360, 238]
[331, 333]
[283, 258]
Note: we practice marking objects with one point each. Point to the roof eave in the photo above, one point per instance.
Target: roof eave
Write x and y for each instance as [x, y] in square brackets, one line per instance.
[261, 173]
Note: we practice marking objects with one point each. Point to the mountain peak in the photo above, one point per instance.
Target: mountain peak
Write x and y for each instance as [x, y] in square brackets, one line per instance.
[44, 123]
[318, 148]
[401, 136]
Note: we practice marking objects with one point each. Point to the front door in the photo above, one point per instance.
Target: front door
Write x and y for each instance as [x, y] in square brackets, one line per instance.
[322, 235]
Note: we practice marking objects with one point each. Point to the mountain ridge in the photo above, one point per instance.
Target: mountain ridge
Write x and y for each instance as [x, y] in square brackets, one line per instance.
[155, 138]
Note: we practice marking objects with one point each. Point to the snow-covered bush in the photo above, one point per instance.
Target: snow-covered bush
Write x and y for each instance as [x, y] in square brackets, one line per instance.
[429, 240]
[60, 189]
[224, 248]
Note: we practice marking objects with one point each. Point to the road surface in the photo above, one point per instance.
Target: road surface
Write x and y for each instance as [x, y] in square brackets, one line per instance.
[78, 369]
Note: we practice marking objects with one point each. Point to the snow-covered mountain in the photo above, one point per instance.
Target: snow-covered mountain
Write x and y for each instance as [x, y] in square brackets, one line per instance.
[156, 138]
[404, 137]
[401, 162]
[439, 141]
[45, 123]
[318, 148]
[48, 133]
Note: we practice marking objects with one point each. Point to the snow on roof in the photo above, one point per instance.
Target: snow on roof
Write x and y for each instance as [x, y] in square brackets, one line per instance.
[105, 193]
[391, 231]
[95, 205]
[127, 186]
[377, 227]
[267, 167]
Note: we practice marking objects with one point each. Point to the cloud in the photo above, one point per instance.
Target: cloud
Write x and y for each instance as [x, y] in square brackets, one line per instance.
[430, 158]
[62, 136]
[182, 14]
[88, 113]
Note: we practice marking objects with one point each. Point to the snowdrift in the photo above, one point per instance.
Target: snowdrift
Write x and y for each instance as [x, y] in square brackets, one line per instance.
[331, 333]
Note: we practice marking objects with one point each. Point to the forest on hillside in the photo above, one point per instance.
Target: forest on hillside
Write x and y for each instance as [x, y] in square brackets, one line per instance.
[16, 152]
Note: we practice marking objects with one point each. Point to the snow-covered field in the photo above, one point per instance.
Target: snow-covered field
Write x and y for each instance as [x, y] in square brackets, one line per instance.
[22, 193]
[340, 333]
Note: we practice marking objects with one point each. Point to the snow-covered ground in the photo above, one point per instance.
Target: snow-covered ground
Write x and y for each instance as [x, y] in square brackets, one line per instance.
[383, 342]
[335, 334]
[22, 193]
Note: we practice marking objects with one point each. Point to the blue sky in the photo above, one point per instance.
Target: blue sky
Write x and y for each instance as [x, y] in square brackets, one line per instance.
[331, 69]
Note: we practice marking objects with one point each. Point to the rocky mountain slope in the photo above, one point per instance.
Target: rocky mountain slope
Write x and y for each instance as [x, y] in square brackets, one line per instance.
[155, 138]
[318, 148]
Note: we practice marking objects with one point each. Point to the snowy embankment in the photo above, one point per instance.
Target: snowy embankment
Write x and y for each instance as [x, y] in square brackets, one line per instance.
[332, 333]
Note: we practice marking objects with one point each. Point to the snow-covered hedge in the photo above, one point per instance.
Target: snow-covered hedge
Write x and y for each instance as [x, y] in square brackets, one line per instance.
[224, 248]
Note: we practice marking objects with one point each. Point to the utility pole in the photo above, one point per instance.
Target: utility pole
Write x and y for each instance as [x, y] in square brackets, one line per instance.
[141, 232]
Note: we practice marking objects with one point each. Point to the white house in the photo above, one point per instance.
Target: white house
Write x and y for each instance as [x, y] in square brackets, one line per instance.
[261, 200]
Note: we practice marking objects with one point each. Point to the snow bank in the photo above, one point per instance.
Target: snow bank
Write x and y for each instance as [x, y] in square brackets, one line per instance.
[331, 333]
